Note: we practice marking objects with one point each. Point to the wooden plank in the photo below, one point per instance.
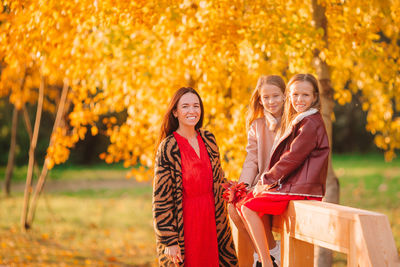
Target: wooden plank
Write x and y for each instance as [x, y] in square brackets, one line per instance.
[339, 210]
[320, 243]
[319, 227]
[374, 242]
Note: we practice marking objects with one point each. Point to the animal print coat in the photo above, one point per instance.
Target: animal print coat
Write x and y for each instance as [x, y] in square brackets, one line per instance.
[167, 201]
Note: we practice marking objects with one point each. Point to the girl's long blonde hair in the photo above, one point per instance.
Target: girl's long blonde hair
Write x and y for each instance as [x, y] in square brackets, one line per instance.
[289, 113]
[256, 109]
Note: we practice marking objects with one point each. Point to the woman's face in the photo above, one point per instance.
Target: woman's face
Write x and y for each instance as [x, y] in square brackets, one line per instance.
[272, 99]
[302, 96]
[188, 110]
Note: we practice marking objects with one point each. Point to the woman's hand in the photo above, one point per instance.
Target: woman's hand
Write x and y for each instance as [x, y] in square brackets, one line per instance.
[173, 253]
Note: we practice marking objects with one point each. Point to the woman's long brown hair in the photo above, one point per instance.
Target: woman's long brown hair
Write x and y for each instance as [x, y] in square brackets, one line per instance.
[256, 109]
[170, 123]
[289, 112]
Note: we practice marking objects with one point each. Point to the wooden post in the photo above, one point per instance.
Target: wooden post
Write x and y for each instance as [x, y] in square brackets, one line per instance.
[301, 254]
[294, 252]
[371, 242]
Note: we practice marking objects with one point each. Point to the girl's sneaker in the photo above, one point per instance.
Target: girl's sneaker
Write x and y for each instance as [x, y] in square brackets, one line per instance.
[276, 254]
[255, 261]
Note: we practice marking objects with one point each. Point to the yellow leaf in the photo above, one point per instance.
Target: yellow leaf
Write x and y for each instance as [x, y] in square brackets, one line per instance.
[94, 130]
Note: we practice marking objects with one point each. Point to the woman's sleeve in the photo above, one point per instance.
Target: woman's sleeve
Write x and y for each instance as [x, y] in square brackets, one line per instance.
[250, 165]
[164, 208]
[222, 178]
[300, 148]
[212, 142]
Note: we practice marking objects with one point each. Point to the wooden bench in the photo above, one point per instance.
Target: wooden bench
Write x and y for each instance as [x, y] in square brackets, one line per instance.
[364, 236]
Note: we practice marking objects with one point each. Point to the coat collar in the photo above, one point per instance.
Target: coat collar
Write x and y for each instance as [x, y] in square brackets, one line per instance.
[280, 137]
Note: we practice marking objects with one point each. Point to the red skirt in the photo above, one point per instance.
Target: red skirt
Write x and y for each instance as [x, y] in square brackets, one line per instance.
[273, 204]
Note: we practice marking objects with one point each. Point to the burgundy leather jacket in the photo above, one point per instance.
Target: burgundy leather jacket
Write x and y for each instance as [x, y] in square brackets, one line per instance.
[299, 161]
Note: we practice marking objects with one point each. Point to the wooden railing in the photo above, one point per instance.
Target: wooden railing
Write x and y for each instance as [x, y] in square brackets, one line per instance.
[364, 236]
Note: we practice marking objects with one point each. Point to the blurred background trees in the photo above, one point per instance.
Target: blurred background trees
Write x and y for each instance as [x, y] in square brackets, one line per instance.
[349, 136]
[123, 61]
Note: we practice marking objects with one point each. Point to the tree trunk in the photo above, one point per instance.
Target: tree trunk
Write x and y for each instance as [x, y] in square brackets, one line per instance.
[28, 127]
[28, 185]
[11, 153]
[43, 175]
[324, 256]
[13, 143]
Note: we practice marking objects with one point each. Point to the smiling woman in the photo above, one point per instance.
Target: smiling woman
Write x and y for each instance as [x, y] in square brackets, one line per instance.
[171, 122]
[188, 112]
[190, 215]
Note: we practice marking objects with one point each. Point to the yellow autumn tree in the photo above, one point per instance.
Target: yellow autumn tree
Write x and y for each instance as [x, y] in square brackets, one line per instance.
[122, 61]
[221, 48]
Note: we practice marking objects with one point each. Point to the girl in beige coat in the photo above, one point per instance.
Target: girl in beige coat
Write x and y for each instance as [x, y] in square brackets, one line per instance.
[264, 116]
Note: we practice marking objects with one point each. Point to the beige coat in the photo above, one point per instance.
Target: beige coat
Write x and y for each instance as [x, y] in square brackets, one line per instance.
[260, 138]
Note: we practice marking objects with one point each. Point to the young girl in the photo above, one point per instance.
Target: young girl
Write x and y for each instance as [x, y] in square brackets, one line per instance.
[190, 216]
[298, 164]
[263, 120]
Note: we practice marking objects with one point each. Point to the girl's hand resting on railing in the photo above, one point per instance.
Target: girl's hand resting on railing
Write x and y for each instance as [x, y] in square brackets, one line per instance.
[259, 188]
[173, 253]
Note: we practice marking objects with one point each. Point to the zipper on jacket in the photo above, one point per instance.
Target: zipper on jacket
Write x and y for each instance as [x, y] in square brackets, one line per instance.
[280, 185]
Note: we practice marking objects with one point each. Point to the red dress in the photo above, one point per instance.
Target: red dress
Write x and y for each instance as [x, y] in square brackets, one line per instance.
[200, 231]
[273, 204]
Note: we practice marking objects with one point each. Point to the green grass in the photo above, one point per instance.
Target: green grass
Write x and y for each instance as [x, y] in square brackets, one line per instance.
[113, 227]
[368, 182]
[88, 227]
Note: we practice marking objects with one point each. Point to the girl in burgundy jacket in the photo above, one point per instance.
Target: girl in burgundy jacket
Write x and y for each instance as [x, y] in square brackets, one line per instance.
[298, 166]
